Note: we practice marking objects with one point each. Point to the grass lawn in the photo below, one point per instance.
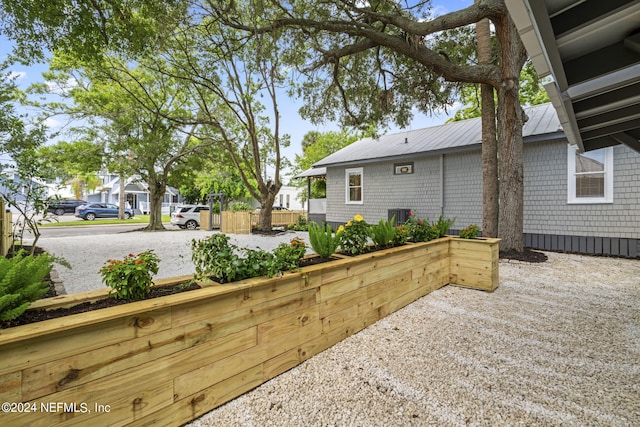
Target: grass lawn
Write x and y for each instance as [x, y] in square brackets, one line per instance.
[138, 219]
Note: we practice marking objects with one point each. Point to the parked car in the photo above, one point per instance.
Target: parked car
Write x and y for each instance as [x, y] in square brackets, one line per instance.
[92, 211]
[188, 216]
[63, 206]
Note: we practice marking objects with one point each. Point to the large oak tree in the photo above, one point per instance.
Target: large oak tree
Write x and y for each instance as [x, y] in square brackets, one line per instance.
[382, 58]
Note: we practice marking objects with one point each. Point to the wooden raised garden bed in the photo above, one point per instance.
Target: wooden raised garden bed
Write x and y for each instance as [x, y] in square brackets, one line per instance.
[171, 359]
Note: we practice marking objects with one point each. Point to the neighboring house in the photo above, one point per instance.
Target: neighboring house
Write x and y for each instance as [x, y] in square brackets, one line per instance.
[289, 197]
[588, 203]
[136, 194]
[19, 188]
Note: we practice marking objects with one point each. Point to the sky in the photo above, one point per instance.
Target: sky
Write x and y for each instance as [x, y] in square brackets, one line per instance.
[291, 122]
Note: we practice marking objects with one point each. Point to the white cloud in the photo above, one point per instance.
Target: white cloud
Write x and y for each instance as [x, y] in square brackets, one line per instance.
[52, 123]
[17, 75]
[62, 88]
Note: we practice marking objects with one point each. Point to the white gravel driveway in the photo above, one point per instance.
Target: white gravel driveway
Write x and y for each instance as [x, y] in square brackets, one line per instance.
[87, 254]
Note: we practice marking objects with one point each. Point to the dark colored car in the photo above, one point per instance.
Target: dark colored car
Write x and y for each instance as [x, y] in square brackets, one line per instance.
[63, 206]
[92, 211]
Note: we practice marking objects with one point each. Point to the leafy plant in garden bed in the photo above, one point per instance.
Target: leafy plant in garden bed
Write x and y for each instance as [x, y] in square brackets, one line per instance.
[421, 230]
[322, 240]
[354, 236]
[22, 281]
[216, 259]
[470, 232]
[130, 278]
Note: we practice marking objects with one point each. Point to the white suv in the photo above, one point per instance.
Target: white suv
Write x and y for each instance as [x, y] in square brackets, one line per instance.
[188, 216]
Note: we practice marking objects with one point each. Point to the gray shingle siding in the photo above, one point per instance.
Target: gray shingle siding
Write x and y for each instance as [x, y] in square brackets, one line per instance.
[419, 191]
[546, 210]
[549, 221]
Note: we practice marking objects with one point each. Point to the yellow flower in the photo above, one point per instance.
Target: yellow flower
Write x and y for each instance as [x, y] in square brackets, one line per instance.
[340, 229]
[358, 218]
[349, 224]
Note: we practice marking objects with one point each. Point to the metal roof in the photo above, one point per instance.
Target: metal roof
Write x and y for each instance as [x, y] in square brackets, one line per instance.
[542, 123]
[313, 172]
[591, 49]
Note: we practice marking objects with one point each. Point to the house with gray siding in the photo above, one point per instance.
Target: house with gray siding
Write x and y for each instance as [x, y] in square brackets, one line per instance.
[580, 202]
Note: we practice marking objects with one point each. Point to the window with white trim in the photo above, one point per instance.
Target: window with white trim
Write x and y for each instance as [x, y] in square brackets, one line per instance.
[354, 187]
[590, 175]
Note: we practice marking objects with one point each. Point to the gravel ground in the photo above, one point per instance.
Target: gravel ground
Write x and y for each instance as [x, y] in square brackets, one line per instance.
[557, 343]
[87, 254]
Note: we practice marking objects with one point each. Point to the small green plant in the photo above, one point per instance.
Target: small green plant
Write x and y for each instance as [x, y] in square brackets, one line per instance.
[287, 256]
[418, 230]
[130, 278]
[470, 232]
[22, 281]
[354, 236]
[400, 235]
[383, 233]
[443, 225]
[322, 240]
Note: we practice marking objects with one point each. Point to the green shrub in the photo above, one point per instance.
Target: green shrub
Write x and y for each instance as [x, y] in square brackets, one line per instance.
[384, 232]
[22, 281]
[470, 232]
[287, 256]
[130, 278]
[322, 240]
[300, 225]
[215, 258]
[443, 225]
[418, 230]
[240, 206]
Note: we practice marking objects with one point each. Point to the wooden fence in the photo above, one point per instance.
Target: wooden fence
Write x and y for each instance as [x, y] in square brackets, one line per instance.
[6, 239]
[241, 222]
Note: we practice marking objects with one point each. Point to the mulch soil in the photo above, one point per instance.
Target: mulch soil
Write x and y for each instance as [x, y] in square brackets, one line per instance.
[528, 255]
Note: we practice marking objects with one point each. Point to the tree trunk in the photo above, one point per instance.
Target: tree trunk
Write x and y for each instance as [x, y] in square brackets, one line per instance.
[156, 195]
[510, 122]
[266, 217]
[489, 142]
[268, 191]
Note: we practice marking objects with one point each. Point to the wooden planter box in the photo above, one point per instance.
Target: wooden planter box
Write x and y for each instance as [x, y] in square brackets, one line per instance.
[474, 263]
[172, 359]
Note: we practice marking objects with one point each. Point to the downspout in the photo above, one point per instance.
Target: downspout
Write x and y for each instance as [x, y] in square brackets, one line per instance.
[308, 197]
[441, 184]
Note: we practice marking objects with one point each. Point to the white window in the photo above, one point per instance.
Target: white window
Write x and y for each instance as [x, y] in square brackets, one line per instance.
[353, 179]
[590, 176]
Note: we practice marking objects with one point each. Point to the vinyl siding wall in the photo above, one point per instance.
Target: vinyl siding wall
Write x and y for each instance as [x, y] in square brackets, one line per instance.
[549, 221]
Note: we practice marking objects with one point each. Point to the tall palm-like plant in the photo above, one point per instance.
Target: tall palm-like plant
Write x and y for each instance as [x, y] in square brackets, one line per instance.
[84, 183]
